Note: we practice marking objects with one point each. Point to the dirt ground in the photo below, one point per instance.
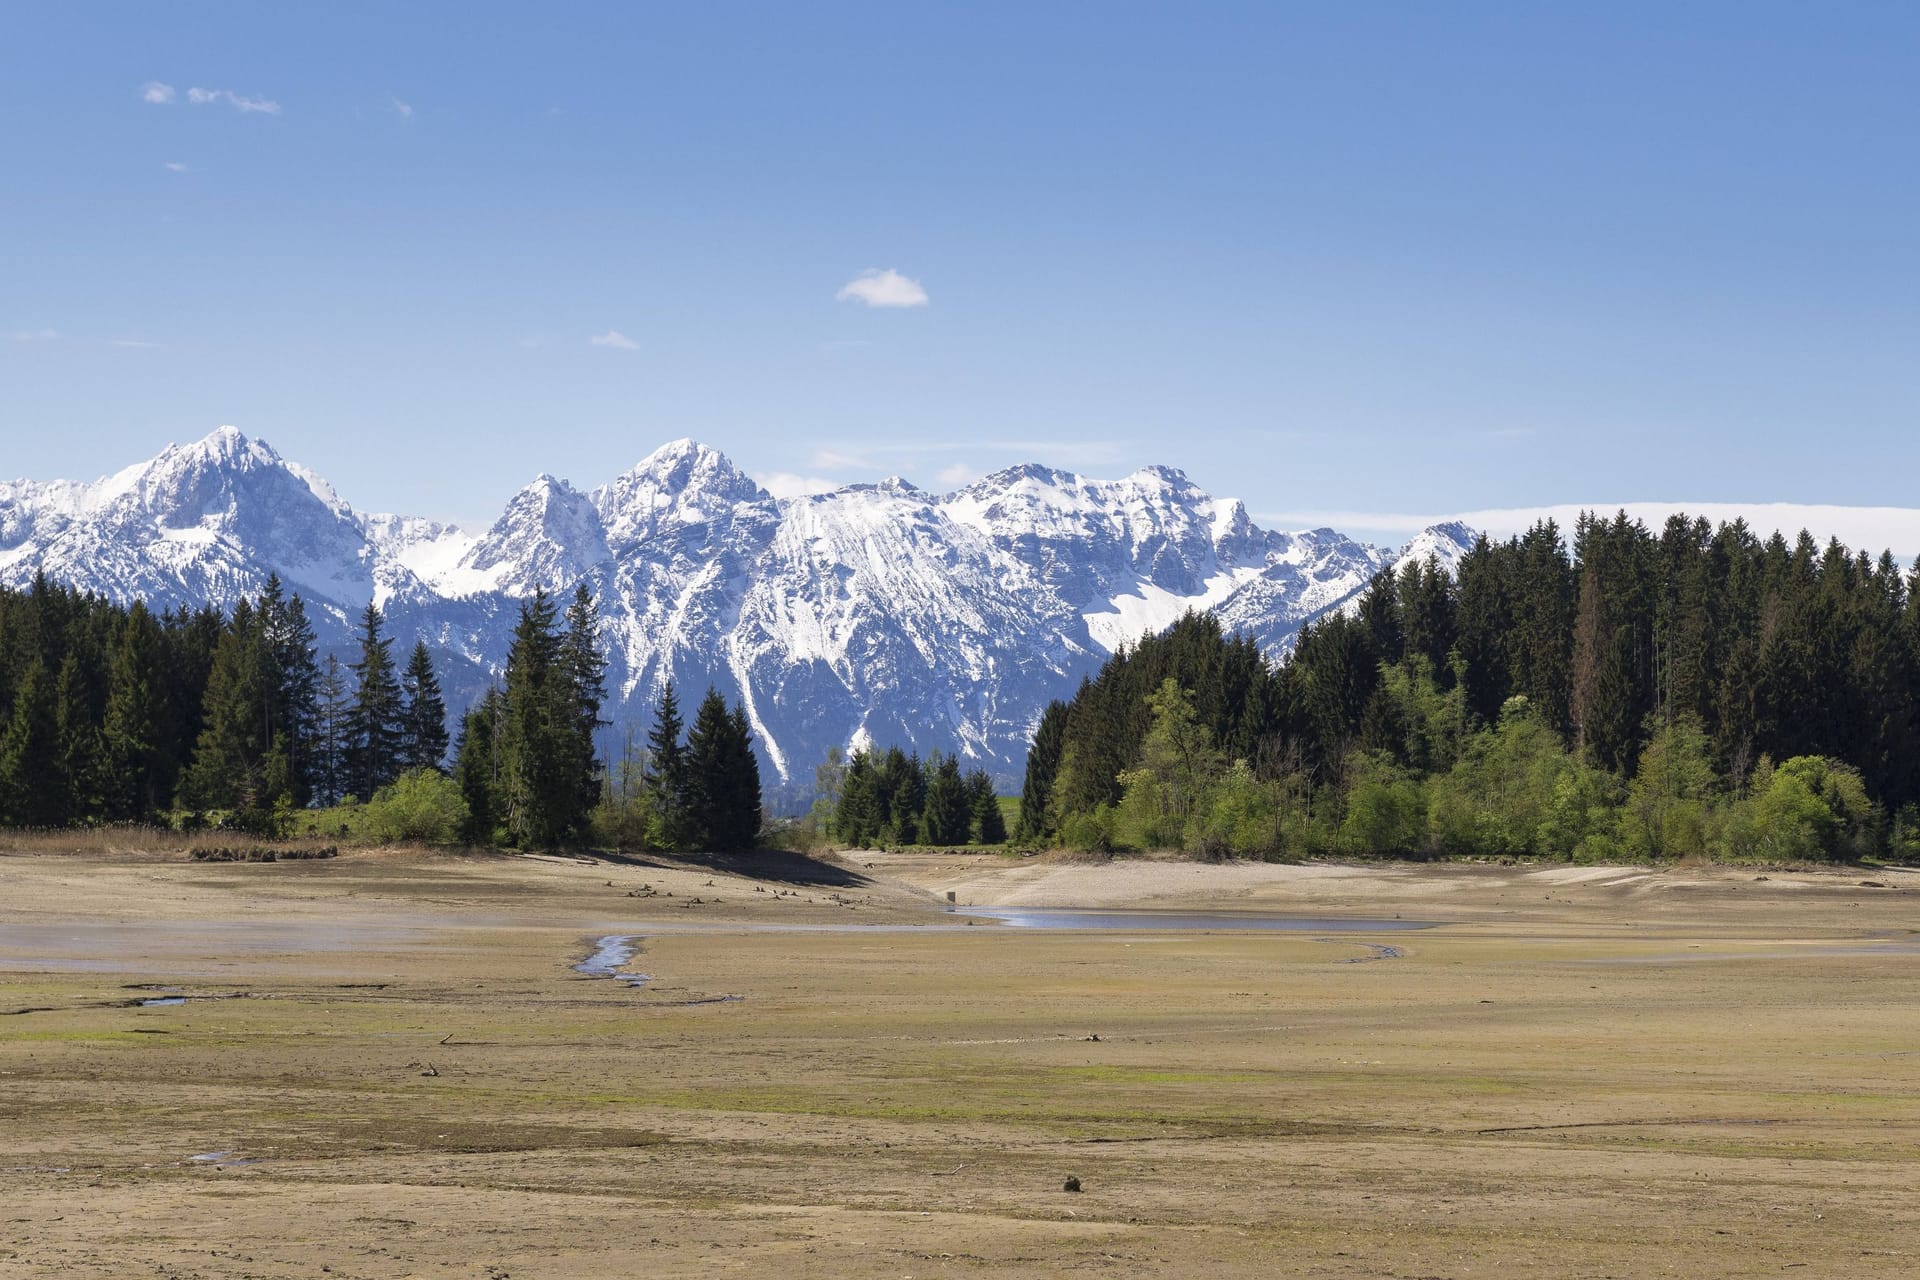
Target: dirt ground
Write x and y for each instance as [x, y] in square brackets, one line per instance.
[386, 1065]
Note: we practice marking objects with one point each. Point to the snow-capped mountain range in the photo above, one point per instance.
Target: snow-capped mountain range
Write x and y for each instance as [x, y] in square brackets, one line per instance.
[879, 613]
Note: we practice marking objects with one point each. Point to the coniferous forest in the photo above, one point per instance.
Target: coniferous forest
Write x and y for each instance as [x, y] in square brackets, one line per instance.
[1695, 692]
[112, 714]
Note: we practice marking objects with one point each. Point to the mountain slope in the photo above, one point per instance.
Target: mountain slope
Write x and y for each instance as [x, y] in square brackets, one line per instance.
[876, 613]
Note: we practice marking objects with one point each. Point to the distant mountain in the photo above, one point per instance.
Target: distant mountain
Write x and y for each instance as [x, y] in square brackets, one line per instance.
[877, 613]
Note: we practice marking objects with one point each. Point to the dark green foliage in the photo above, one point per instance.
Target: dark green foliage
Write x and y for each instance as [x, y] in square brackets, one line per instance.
[856, 818]
[423, 714]
[136, 725]
[723, 811]
[332, 734]
[32, 792]
[665, 776]
[377, 722]
[526, 766]
[229, 769]
[989, 825]
[948, 815]
[477, 768]
[1771, 652]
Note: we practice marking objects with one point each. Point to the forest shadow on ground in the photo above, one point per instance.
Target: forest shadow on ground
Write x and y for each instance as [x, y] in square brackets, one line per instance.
[774, 865]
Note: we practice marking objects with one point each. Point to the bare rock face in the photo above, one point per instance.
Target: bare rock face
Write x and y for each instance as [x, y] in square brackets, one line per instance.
[877, 613]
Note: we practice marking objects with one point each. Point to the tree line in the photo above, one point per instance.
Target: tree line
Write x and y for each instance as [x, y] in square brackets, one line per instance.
[112, 713]
[887, 798]
[1696, 691]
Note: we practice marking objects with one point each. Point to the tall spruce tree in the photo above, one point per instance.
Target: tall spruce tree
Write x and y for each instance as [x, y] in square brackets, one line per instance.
[723, 778]
[477, 766]
[332, 744]
[947, 816]
[229, 767]
[378, 721]
[31, 794]
[136, 719]
[856, 817]
[295, 675]
[666, 773]
[423, 713]
[586, 670]
[539, 743]
[1043, 762]
[983, 806]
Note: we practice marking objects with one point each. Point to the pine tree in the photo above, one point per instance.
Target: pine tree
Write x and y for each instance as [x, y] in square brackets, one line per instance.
[947, 815]
[856, 818]
[83, 768]
[230, 757]
[723, 812]
[1043, 762]
[30, 788]
[332, 735]
[477, 768]
[135, 719]
[539, 743]
[586, 671]
[377, 721]
[666, 773]
[989, 824]
[423, 713]
[295, 679]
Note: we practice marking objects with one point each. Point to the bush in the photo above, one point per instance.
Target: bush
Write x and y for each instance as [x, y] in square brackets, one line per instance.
[424, 806]
[1089, 832]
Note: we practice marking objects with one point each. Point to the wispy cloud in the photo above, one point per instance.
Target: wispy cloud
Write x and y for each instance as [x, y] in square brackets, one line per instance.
[33, 335]
[615, 339]
[138, 344]
[876, 288]
[787, 484]
[239, 102]
[1871, 528]
[178, 166]
[955, 474]
[884, 456]
[404, 110]
[155, 92]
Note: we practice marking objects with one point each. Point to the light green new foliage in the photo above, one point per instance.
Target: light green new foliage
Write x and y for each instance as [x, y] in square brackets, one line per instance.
[1500, 793]
[1178, 765]
[1669, 806]
[424, 806]
[1386, 809]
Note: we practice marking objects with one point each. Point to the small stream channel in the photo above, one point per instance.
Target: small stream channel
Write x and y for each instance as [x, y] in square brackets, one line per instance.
[614, 952]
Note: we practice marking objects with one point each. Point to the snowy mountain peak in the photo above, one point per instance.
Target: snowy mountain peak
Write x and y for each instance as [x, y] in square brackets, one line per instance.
[680, 483]
[549, 536]
[1445, 543]
[876, 613]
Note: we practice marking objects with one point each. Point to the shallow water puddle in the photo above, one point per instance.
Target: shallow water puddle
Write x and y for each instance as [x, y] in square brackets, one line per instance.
[1184, 921]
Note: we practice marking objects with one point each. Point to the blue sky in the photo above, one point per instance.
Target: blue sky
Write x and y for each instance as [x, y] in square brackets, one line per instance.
[1372, 260]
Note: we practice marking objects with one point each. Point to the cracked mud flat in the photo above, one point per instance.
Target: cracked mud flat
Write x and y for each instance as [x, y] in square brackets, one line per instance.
[419, 1082]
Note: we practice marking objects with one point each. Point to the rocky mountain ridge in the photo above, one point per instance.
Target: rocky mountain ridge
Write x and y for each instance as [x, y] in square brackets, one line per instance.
[875, 613]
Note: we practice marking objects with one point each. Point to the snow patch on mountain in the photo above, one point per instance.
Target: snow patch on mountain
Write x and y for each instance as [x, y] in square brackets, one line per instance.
[876, 613]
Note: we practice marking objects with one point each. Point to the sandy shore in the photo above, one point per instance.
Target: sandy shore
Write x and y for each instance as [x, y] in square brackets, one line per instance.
[388, 1066]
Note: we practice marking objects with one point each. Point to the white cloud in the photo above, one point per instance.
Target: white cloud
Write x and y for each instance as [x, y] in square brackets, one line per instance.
[178, 166]
[239, 102]
[956, 474]
[33, 335]
[786, 484]
[405, 110]
[615, 339]
[1871, 528]
[156, 93]
[877, 288]
[138, 344]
